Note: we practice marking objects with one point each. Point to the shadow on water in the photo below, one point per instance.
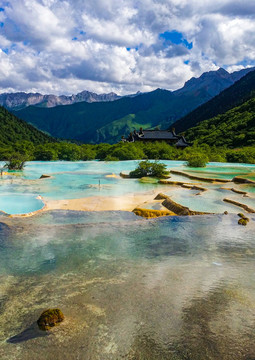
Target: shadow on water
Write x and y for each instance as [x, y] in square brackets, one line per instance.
[31, 332]
[201, 340]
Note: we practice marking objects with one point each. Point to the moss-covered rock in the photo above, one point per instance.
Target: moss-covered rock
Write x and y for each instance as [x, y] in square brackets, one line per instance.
[149, 213]
[243, 222]
[148, 180]
[50, 318]
[241, 215]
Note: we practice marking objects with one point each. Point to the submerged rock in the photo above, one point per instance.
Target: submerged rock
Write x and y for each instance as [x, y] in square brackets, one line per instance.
[50, 318]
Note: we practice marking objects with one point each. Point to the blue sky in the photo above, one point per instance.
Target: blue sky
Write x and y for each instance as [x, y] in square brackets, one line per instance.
[55, 46]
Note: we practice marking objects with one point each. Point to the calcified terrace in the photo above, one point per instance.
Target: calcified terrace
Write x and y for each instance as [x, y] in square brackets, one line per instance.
[105, 186]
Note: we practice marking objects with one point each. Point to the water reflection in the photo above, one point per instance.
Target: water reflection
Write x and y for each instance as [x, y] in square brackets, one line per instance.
[171, 288]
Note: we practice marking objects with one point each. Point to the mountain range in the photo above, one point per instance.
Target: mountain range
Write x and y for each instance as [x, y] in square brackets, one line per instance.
[20, 100]
[235, 95]
[108, 121]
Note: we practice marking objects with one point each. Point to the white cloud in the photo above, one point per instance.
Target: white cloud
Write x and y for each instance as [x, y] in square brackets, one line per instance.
[66, 46]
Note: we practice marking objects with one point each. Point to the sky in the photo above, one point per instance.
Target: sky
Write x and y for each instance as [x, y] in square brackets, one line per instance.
[124, 46]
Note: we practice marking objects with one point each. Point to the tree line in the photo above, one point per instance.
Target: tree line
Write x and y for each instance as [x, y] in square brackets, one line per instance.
[27, 151]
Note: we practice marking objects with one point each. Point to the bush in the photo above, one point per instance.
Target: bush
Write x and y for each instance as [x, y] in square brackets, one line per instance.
[111, 158]
[198, 160]
[16, 162]
[148, 168]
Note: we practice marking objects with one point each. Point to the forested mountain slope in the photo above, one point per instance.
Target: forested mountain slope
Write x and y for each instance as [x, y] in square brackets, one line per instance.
[13, 129]
[108, 121]
[235, 95]
[235, 128]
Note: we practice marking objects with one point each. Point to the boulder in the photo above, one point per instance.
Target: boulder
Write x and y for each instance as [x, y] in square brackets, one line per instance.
[50, 318]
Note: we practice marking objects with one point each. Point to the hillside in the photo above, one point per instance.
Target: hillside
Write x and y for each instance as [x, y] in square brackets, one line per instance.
[235, 95]
[108, 121]
[235, 128]
[83, 121]
[13, 129]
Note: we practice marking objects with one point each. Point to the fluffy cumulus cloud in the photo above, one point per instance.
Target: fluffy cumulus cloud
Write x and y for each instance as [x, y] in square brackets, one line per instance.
[66, 46]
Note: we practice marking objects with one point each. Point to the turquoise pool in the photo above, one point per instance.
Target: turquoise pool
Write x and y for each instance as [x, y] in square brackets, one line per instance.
[73, 180]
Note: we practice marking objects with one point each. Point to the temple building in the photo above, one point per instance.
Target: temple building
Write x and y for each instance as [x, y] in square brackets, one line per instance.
[168, 136]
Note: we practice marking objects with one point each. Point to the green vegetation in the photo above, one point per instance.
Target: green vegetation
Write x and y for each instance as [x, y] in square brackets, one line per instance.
[148, 168]
[108, 121]
[235, 128]
[123, 151]
[16, 162]
[197, 160]
[236, 95]
[13, 129]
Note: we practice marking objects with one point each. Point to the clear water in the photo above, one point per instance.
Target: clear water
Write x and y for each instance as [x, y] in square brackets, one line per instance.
[72, 180]
[169, 288]
[20, 204]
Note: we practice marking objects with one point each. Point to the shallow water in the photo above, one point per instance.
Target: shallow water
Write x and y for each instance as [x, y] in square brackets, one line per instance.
[171, 288]
[72, 180]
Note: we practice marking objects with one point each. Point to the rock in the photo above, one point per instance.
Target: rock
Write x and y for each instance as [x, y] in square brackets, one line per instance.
[225, 212]
[124, 175]
[241, 215]
[239, 191]
[150, 213]
[50, 318]
[240, 180]
[245, 207]
[242, 222]
[199, 177]
[45, 176]
[161, 196]
[179, 209]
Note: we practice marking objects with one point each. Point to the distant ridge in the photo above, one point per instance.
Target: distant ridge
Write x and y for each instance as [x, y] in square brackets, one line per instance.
[107, 121]
[238, 93]
[20, 100]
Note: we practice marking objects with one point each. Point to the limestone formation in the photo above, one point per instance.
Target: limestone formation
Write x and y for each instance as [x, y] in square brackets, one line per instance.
[45, 176]
[150, 213]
